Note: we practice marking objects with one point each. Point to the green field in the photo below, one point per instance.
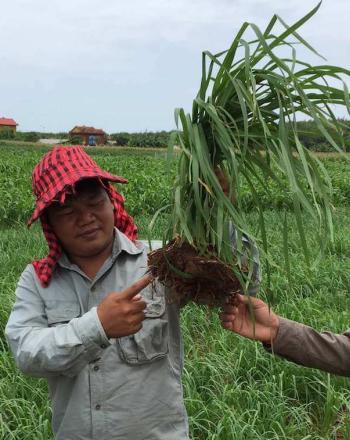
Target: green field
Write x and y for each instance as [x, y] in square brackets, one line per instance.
[233, 389]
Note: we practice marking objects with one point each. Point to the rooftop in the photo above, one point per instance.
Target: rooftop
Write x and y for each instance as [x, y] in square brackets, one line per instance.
[87, 130]
[8, 121]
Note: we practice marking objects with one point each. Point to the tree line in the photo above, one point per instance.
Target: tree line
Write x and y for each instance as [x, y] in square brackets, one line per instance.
[309, 136]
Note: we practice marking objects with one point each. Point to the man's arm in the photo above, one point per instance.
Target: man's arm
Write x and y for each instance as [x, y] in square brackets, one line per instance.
[305, 346]
[253, 319]
[43, 351]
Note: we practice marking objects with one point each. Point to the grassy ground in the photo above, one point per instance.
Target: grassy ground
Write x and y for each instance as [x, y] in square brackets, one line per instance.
[234, 390]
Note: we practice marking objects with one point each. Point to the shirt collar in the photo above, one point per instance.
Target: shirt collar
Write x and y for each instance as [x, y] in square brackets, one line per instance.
[123, 243]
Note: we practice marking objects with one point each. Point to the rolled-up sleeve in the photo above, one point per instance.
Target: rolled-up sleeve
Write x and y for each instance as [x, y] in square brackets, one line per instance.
[305, 346]
[44, 351]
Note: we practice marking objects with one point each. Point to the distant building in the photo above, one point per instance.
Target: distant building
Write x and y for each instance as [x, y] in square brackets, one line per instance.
[89, 135]
[8, 124]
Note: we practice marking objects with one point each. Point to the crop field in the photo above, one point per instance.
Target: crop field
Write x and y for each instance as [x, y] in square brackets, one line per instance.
[233, 389]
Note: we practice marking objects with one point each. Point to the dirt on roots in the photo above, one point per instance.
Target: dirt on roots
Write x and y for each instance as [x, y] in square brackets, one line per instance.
[193, 277]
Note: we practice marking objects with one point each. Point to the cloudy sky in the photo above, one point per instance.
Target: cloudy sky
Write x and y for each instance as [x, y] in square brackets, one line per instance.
[125, 65]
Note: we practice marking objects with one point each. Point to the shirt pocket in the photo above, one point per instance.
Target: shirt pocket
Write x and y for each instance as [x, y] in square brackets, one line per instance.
[61, 312]
[151, 342]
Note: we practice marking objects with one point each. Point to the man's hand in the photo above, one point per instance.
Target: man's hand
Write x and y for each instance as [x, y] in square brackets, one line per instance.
[121, 313]
[250, 317]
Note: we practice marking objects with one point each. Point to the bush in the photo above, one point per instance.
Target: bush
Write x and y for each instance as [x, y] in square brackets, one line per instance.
[7, 133]
[27, 136]
[312, 139]
[31, 136]
[157, 139]
[121, 139]
[75, 140]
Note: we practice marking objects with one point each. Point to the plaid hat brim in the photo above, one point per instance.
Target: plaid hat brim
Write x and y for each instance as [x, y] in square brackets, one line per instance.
[48, 198]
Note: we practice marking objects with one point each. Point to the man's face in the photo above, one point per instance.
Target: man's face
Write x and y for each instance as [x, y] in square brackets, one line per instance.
[84, 223]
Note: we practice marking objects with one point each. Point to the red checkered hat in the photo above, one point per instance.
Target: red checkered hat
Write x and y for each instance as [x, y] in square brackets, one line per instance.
[58, 171]
[53, 178]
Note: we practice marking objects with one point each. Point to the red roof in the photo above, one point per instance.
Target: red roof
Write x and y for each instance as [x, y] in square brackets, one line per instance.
[8, 121]
[87, 130]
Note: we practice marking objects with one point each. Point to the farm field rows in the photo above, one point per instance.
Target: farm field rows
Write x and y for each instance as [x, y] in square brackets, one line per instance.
[233, 388]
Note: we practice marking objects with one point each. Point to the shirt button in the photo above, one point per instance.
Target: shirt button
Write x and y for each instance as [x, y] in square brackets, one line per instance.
[96, 367]
[98, 407]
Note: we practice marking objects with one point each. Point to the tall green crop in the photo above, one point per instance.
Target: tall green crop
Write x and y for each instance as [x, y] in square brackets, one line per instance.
[244, 124]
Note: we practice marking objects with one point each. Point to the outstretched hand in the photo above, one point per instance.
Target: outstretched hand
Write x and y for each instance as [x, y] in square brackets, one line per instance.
[252, 318]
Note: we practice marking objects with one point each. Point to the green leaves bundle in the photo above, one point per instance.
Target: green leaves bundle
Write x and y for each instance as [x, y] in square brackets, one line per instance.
[243, 126]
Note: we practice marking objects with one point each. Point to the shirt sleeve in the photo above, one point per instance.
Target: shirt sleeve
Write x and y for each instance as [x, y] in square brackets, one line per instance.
[303, 345]
[43, 351]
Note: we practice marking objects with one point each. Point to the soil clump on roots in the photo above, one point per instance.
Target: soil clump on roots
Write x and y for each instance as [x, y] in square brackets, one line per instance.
[193, 277]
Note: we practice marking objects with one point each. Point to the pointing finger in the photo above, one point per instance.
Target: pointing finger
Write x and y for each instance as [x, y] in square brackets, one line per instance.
[131, 291]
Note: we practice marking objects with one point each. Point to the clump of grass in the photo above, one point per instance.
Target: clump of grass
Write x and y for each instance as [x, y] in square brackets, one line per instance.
[243, 126]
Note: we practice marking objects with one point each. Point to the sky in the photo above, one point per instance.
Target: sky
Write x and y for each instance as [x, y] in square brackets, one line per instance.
[126, 65]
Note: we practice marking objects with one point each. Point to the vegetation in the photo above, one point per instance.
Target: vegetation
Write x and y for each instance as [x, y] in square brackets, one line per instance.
[36, 135]
[7, 133]
[312, 139]
[150, 181]
[158, 139]
[148, 189]
[243, 125]
[307, 129]
[29, 136]
[233, 388]
[75, 139]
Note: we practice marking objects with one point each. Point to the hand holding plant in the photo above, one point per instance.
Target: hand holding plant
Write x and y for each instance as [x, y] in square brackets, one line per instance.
[252, 318]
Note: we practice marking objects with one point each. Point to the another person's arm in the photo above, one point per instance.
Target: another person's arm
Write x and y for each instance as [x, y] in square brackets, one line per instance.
[43, 351]
[253, 319]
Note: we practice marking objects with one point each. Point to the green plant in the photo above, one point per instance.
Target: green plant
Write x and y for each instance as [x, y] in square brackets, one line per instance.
[7, 133]
[121, 139]
[233, 388]
[31, 136]
[75, 140]
[243, 124]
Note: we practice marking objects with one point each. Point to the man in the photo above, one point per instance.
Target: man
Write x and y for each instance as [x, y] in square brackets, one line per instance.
[253, 319]
[86, 317]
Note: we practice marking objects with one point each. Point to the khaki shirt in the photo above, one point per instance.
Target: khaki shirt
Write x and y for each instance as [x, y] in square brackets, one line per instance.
[305, 346]
[103, 389]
